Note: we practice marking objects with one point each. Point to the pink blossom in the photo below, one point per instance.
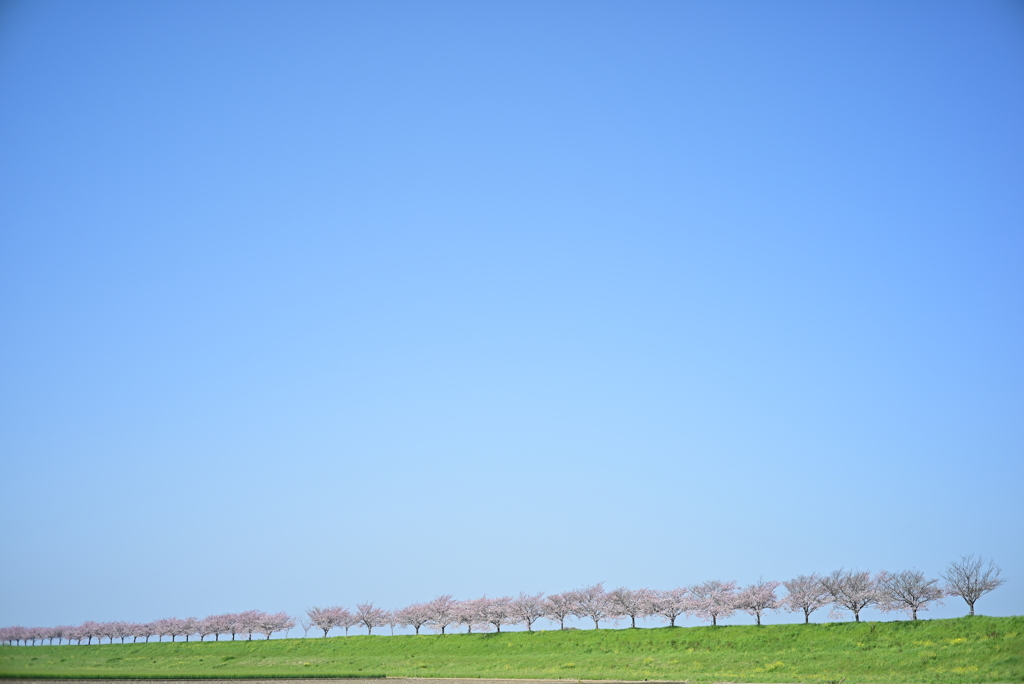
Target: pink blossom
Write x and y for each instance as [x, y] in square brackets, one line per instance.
[758, 598]
[527, 608]
[672, 603]
[368, 616]
[633, 603]
[593, 602]
[441, 612]
[712, 600]
[806, 593]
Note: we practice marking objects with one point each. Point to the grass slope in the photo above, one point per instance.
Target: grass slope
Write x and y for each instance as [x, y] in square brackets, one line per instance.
[967, 650]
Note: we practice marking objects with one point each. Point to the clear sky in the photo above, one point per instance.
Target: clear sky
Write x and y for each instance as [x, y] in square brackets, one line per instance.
[320, 303]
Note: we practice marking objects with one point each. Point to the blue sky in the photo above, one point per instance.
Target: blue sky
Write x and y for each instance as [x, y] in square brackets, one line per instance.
[320, 303]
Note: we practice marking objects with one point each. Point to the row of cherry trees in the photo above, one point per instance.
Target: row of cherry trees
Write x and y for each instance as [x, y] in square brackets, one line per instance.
[908, 591]
[846, 591]
[248, 623]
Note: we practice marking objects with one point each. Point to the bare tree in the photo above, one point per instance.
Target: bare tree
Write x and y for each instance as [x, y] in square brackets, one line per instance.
[970, 579]
[907, 590]
[806, 593]
[850, 590]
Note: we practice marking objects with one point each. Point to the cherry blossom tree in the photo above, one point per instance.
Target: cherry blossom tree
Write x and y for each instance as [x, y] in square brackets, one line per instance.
[222, 624]
[368, 616]
[528, 608]
[276, 622]
[123, 630]
[758, 598]
[347, 620]
[326, 618]
[77, 632]
[557, 607]
[632, 603]
[592, 602]
[850, 590]
[145, 629]
[175, 627]
[161, 628]
[392, 621]
[89, 630]
[250, 621]
[189, 627]
[472, 613]
[306, 625]
[806, 593]
[907, 590]
[58, 633]
[105, 629]
[206, 626]
[671, 604]
[441, 612]
[970, 579]
[498, 611]
[712, 600]
[414, 616]
[232, 624]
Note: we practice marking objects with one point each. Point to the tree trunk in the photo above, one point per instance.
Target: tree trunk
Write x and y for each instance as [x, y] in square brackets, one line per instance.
[633, 619]
[758, 619]
[714, 621]
[807, 617]
[971, 604]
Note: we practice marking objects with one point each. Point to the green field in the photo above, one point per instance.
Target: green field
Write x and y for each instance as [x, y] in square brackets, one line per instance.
[978, 649]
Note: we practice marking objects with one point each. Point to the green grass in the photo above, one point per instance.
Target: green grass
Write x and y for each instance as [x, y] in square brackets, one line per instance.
[967, 650]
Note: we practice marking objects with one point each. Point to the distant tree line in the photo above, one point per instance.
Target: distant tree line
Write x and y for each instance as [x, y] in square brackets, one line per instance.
[847, 591]
[246, 623]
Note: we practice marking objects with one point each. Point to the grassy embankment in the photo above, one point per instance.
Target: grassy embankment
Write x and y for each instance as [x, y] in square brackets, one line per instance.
[967, 650]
